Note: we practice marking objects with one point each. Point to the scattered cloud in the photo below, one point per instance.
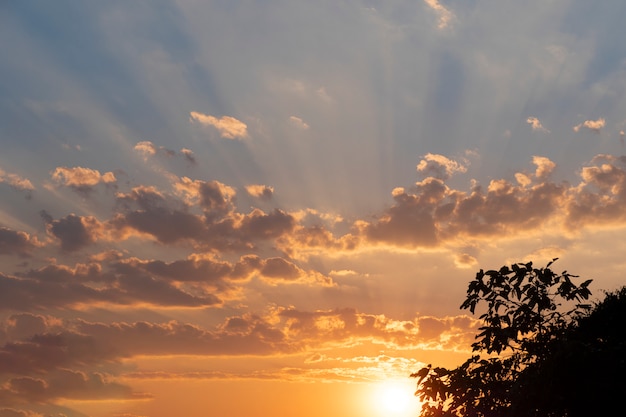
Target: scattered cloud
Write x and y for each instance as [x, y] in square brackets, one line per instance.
[82, 180]
[593, 125]
[148, 149]
[536, 125]
[261, 191]
[227, 126]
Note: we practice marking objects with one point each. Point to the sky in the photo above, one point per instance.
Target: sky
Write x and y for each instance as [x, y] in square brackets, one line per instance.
[273, 208]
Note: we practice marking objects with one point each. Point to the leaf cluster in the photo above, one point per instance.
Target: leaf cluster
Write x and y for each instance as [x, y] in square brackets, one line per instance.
[527, 312]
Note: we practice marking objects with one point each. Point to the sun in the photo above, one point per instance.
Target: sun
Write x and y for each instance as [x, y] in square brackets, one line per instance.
[394, 398]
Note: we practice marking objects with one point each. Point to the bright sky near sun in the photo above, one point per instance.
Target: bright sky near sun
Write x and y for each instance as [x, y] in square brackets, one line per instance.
[273, 208]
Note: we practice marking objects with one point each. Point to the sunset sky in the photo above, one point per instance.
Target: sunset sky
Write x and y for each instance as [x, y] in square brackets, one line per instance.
[273, 208]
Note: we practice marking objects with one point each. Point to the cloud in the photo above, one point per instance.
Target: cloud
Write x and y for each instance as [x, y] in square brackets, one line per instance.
[82, 180]
[75, 232]
[148, 149]
[544, 166]
[439, 166]
[11, 412]
[445, 15]
[61, 286]
[14, 242]
[264, 192]
[298, 122]
[593, 125]
[15, 181]
[465, 261]
[536, 125]
[228, 127]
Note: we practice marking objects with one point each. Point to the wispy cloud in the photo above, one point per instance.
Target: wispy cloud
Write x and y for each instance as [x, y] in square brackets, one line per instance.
[298, 122]
[444, 14]
[16, 182]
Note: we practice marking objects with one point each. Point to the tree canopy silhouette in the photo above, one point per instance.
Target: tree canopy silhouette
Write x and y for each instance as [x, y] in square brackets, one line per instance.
[542, 350]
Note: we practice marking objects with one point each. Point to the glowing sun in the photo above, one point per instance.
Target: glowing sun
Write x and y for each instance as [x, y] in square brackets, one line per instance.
[394, 398]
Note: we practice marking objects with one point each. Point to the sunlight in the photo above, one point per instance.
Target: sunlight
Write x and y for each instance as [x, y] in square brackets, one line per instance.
[394, 398]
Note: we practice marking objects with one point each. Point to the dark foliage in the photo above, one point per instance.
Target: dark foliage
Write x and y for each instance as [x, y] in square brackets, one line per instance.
[545, 352]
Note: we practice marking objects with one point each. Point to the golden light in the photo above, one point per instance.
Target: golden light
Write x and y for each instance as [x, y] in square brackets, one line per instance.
[394, 398]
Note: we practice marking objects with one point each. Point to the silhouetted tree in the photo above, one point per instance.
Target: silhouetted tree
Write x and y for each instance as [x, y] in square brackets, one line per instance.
[546, 353]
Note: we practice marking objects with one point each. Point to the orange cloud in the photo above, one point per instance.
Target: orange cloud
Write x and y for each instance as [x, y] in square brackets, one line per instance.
[439, 166]
[15, 181]
[81, 179]
[227, 126]
[445, 15]
[261, 191]
[536, 124]
[593, 125]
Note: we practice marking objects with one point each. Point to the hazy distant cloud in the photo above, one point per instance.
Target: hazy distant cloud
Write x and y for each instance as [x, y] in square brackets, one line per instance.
[82, 180]
[261, 191]
[536, 124]
[298, 122]
[15, 181]
[445, 15]
[465, 261]
[593, 125]
[439, 166]
[227, 126]
[11, 412]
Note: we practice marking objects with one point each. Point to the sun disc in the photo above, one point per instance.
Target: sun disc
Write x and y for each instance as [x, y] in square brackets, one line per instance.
[395, 398]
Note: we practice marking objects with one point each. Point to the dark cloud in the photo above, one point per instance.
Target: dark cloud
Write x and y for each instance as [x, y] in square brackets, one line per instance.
[75, 232]
[14, 242]
[58, 286]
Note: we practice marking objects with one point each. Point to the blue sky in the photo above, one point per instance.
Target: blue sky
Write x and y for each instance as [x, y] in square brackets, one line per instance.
[316, 181]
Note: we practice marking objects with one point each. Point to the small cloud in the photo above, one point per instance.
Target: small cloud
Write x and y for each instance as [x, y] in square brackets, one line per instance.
[228, 127]
[342, 273]
[188, 155]
[298, 122]
[445, 15]
[261, 191]
[80, 179]
[536, 124]
[149, 149]
[146, 148]
[15, 181]
[544, 166]
[465, 261]
[593, 125]
[439, 166]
